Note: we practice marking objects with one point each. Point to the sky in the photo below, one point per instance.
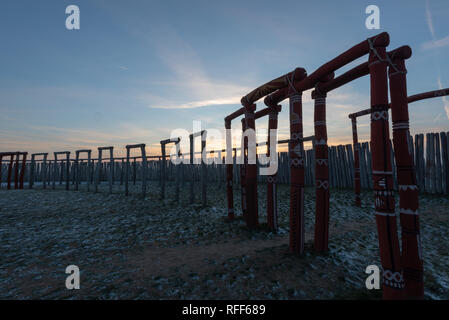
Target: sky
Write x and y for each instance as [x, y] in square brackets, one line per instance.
[137, 70]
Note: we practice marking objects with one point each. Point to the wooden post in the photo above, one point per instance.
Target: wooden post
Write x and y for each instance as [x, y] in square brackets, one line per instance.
[272, 207]
[229, 171]
[203, 168]
[321, 174]
[192, 177]
[356, 145]
[296, 152]
[432, 163]
[144, 171]
[445, 162]
[411, 260]
[439, 173]
[67, 171]
[22, 171]
[16, 171]
[111, 169]
[98, 171]
[383, 178]
[417, 163]
[11, 161]
[243, 164]
[252, 216]
[127, 172]
[32, 171]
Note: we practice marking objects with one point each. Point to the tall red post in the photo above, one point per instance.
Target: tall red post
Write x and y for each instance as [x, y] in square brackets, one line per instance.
[321, 174]
[356, 146]
[272, 214]
[296, 175]
[244, 162]
[229, 176]
[251, 175]
[412, 262]
[383, 177]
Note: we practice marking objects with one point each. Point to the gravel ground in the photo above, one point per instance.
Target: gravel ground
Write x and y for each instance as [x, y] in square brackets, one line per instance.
[134, 248]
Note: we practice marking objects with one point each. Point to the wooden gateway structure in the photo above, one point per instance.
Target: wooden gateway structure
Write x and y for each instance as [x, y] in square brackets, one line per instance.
[402, 271]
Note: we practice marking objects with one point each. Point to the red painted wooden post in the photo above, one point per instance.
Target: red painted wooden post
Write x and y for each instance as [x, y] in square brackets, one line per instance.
[356, 145]
[412, 262]
[229, 176]
[296, 175]
[272, 214]
[251, 177]
[321, 174]
[383, 177]
[244, 162]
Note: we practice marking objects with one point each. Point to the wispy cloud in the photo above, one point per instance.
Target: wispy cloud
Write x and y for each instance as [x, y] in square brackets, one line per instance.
[435, 44]
[199, 104]
[429, 20]
[187, 78]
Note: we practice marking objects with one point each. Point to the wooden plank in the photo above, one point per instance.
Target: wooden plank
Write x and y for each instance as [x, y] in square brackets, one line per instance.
[445, 162]
[363, 169]
[350, 156]
[331, 168]
[438, 171]
[417, 162]
[432, 163]
[369, 166]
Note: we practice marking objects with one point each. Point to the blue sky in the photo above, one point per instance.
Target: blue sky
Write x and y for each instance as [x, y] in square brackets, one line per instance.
[136, 70]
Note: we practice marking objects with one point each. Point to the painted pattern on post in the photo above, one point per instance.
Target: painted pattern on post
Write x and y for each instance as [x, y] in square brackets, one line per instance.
[383, 177]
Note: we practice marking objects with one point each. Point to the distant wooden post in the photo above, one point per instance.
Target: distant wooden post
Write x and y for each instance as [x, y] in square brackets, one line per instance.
[203, 168]
[67, 153]
[78, 169]
[164, 162]
[192, 157]
[144, 167]
[99, 166]
[33, 169]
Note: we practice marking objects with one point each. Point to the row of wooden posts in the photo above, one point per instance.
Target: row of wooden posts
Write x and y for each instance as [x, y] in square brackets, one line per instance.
[430, 152]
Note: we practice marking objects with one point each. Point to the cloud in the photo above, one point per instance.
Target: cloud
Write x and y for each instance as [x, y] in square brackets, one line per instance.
[199, 104]
[436, 44]
[187, 77]
[429, 20]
